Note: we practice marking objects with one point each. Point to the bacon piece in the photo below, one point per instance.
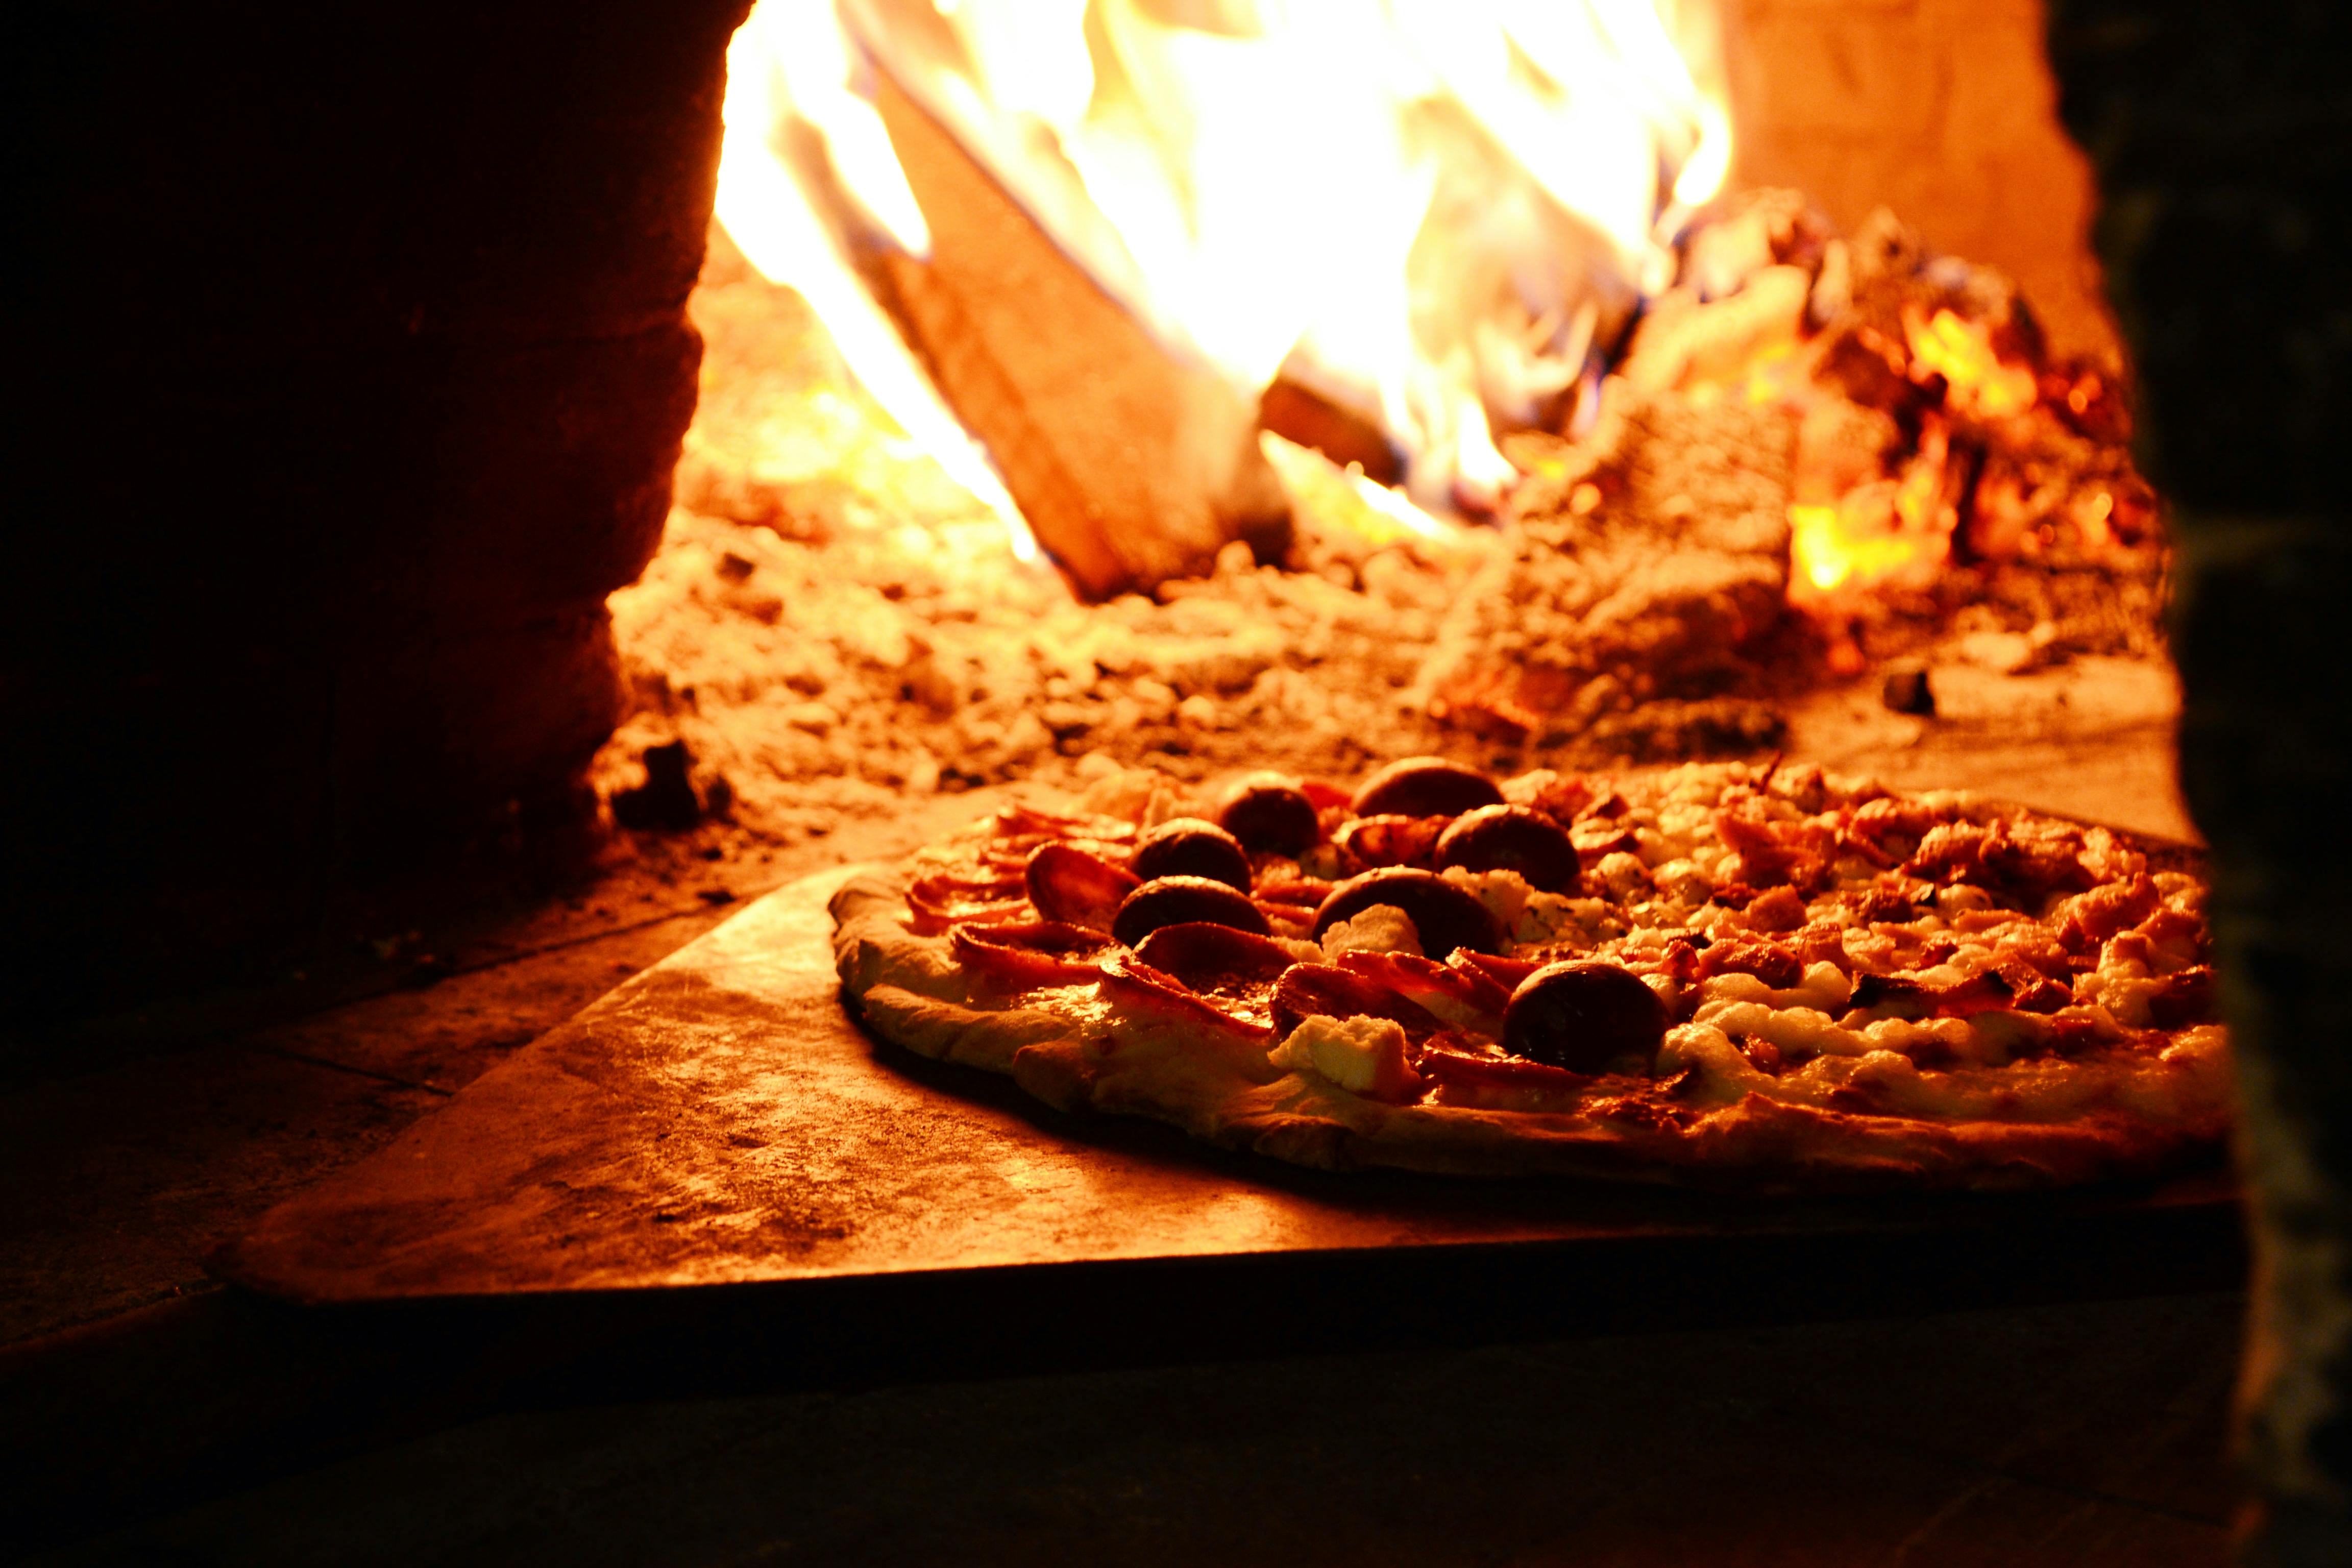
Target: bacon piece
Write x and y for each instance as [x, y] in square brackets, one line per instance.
[2092, 918]
[1777, 910]
[1207, 956]
[2030, 860]
[1140, 988]
[1678, 960]
[1389, 839]
[1068, 884]
[1768, 960]
[1891, 829]
[2185, 998]
[2011, 988]
[1595, 837]
[1307, 891]
[1306, 990]
[1770, 856]
[1564, 798]
[2026, 861]
[1027, 956]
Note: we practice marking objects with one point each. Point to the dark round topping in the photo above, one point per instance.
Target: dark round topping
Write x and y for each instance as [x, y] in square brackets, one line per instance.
[1172, 900]
[1425, 786]
[1188, 847]
[1584, 1015]
[1511, 838]
[1443, 915]
[1270, 815]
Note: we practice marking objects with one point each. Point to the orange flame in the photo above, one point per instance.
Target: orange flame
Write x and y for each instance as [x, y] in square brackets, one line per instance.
[1961, 350]
[1429, 211]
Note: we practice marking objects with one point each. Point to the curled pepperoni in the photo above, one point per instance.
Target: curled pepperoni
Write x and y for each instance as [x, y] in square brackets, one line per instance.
[1027, 956]
[1449, 1064]
[1140, 988]
[936, 903]
[1205, 956]
[1422, 980]
[1068, 884]
[1505, 972]
[1324, 990]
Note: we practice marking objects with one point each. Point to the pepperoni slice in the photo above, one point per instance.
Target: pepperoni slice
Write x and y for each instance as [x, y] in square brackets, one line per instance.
[1420, 979]
[1205, 957]
[1309, 990]
[939, 903]
[1070, 885]
[1449, 1064]
[1140, 988]
[1030, 955]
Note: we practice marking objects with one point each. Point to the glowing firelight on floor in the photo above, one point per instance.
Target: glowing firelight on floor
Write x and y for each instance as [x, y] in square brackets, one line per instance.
[1982, 384]
[1432, 212]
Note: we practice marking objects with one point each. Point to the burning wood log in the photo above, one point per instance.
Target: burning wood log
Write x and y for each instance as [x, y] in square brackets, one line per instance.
[1131, 464]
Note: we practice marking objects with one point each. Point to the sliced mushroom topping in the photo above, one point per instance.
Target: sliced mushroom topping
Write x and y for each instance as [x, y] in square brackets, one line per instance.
[1443, 915]
[1587, 1016]
[1189, 846]
[1512, 838]
[1425, 786]
[1173, 900]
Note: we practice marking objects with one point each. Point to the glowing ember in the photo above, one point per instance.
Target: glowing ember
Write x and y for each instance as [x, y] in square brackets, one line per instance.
[1430, 213]
[1961, 350]
[1888, 532]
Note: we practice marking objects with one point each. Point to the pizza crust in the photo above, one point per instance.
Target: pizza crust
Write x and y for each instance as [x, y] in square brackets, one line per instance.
[909, 991]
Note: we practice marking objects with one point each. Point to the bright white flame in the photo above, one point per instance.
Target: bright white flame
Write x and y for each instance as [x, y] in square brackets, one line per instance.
[1427, 210]
[791, 78]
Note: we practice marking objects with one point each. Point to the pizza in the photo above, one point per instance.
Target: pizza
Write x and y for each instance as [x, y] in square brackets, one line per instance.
[1759, 976]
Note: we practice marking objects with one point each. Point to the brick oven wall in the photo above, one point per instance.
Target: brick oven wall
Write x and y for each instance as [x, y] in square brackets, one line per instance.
[349, 363]
[1943, 111]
